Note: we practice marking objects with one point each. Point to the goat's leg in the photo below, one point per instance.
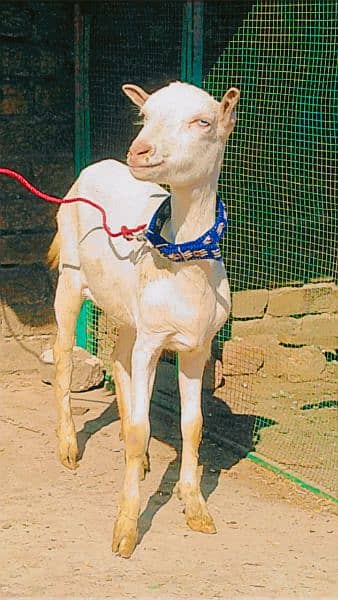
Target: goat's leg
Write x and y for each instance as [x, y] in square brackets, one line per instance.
[122, 380]
[191, 367]
[67, 305]
[137, 431]
[122, 374]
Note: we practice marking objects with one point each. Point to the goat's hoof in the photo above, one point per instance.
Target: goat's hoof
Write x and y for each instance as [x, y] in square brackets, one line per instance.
[124, 536]
[68, 453]
[202, 522]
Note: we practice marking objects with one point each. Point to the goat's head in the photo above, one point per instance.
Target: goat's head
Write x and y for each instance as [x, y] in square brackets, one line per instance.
[183, 135]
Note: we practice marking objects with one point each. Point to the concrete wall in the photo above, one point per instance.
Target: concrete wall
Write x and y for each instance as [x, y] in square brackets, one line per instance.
[37, 139]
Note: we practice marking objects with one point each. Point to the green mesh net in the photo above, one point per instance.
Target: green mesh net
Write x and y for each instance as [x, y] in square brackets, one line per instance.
[275, 359]
[279, 184]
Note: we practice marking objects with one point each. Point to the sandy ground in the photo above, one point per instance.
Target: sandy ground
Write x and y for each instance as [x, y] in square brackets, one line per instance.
[274, 540]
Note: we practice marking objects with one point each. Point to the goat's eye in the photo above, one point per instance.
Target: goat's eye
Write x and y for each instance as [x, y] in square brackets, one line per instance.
[203, 123]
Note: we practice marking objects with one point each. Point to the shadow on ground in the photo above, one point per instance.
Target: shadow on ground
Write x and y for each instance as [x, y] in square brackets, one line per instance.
[216, 453]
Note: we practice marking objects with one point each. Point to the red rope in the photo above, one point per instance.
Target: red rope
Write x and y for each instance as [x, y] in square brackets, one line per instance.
[126, 232]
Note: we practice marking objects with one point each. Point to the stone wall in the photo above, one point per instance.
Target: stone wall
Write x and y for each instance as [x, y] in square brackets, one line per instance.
[289, 331]
[37, 139]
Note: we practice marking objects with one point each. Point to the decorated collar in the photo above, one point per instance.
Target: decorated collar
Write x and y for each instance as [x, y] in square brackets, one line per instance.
[204, 247]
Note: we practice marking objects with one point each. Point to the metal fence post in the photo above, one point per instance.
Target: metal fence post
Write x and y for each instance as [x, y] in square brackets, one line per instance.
[82, 131]
[192, 42]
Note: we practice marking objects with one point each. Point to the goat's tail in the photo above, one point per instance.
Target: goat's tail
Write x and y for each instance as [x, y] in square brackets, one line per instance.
[53, 255]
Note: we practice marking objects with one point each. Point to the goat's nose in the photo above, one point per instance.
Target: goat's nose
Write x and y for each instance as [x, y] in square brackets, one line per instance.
[140, 148]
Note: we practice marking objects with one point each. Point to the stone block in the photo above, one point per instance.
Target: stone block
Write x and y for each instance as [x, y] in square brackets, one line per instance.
[24, 212]
[249, 303]
[268, 326]
[318, 330]
[14, 99]
[54, 177]
[87, 369]
[239, 358]
[311, 298]
[311, 330]
[56, 98]
[26, 285]
[24, 248]
[22, 354]
[15, 20]
[295, 364]
[18, 60]
[37, 136]
[54, 24]
[26, 320]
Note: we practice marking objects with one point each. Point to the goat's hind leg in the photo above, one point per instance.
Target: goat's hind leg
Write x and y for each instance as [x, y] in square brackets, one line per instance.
[67, 306]
[191, 367]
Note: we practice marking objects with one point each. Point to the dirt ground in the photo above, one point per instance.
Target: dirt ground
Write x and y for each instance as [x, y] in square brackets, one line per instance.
[295, 423]
[274, 539]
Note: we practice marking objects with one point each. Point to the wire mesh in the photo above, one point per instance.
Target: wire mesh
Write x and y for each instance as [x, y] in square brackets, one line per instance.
[279, 184]
[130, 42]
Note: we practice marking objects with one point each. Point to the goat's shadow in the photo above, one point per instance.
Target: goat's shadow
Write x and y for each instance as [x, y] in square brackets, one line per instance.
[216, 454]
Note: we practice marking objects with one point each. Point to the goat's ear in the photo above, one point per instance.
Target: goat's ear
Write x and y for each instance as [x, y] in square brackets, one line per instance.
[135, 93]
[227, 110]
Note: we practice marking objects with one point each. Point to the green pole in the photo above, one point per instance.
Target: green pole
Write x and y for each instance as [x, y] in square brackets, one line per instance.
[82, 137]
[192, 51]
[192, 42]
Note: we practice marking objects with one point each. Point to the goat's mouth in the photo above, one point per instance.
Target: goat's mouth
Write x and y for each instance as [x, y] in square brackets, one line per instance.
[136, 167]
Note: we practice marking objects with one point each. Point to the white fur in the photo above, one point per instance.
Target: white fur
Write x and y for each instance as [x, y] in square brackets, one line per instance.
[157, 304]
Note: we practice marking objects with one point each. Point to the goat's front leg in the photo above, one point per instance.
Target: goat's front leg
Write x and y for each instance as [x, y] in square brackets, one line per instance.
[191, 367]
[122, 380]
[136, 432]
[67, 305]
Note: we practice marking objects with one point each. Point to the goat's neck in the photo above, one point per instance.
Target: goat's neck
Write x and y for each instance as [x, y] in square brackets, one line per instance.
[193, 211]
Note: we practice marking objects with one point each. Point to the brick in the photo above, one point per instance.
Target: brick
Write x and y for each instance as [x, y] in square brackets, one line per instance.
[249, 303]
[311, 298]
[22, 354]
[18, 60]
[26, 320]
[268, 326]
[14, 99]
[55, 177]
[26, 285]
[15, 20]
[25, 60]
[54, 24]
[318, 330]
[239, 358]
[25, 212]
[36, 136]
[20, 210]
[55, 98]
[24, 248]
[295, 364]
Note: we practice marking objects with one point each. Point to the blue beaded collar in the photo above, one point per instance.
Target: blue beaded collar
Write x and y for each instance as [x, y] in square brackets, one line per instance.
[204, 247]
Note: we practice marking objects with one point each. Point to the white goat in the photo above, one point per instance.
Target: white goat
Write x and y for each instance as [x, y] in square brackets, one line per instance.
[157, 304]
